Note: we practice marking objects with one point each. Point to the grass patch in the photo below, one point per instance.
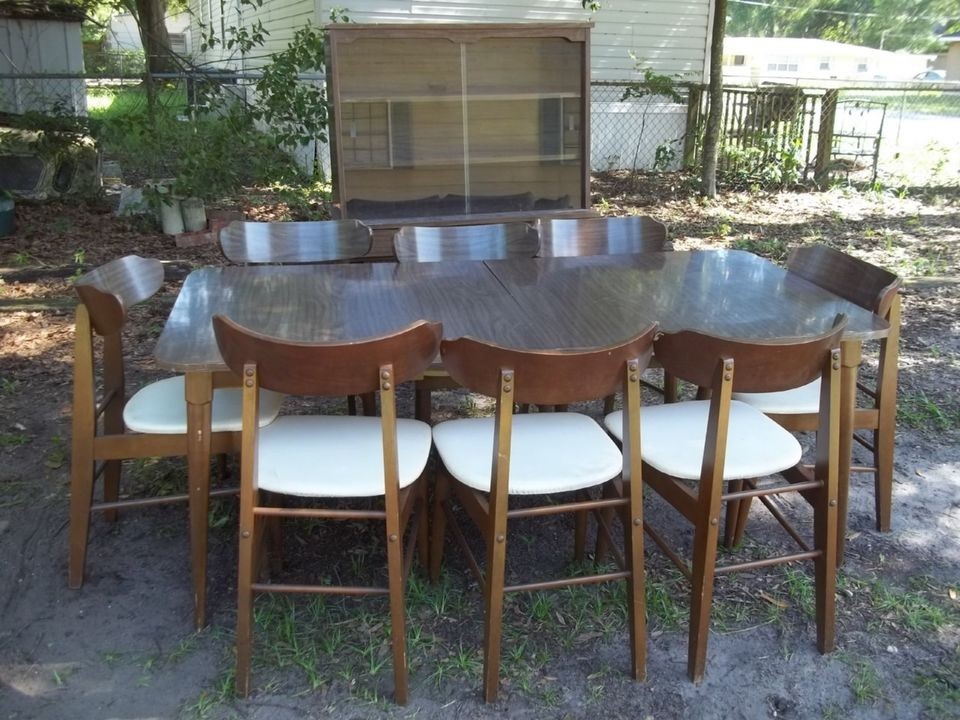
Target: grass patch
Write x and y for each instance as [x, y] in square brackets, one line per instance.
[915, 609]
[771, 248]
[939, 688]
[920, 412]
[864, 681]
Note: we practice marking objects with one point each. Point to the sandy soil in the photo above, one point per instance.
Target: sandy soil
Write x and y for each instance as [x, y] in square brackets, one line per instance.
[123, 646]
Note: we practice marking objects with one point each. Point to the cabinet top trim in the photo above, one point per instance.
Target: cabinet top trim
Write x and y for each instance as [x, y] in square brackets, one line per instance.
[463, 32]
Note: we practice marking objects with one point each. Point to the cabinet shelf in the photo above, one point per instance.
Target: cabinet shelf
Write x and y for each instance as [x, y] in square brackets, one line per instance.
[480, 111]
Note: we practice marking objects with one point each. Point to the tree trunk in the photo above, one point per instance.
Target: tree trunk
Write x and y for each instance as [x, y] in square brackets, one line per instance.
[151, 16]
[711, 137]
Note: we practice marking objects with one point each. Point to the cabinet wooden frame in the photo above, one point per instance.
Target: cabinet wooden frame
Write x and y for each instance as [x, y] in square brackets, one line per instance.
[405, 85]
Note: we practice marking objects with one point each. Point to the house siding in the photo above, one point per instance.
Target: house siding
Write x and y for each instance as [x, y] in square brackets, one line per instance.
[36, 46]
[669, 37]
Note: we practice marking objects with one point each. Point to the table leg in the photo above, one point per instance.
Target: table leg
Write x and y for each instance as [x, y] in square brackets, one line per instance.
[850, 364]
[199, 394]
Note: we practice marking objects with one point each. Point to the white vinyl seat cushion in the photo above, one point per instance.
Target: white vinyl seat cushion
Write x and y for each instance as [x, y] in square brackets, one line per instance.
[549, 452]
[336, 456]
[160, 408]
[803, 400]
[672, 440]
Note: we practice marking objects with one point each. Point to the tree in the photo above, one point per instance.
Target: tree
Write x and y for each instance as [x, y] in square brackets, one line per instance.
[887, 24]
[151, 19]
[711, 136]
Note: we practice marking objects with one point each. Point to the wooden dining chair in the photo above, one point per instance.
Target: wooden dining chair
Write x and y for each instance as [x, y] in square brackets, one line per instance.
[290, 243]
[797, 409]
[465, 242]
[331, 456]
[702, 453]
[112, 428]
[485, 461]
[298, 243]
[608, 235]
[575, 237]
[458, 242]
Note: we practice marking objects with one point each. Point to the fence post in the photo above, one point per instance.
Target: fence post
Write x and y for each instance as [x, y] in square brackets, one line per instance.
[828, 116]
[692, 128]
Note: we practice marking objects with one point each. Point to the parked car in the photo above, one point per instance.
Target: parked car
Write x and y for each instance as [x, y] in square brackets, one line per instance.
[931, 76]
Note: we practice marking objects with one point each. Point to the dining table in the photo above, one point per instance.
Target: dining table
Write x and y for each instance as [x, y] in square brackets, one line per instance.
[535, 303]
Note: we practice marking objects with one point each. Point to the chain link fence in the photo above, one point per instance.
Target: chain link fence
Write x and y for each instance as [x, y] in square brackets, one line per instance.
[771, 134]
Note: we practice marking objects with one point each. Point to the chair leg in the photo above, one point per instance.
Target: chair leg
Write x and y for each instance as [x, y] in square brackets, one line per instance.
[398, 632]
[732, 515]
[606, 515]
[669, 387]
[112, 425]
[111, 487]
[493, 622]
[423, 531]
[351, 404]
[81, 497]
[636, 594]
[825, 565]
[701, 596]
[245, 570]
[423, 404]
[742, 515]
[580, 531]
[441, 495]
[369, 401]
[883, 478]
[609, 402]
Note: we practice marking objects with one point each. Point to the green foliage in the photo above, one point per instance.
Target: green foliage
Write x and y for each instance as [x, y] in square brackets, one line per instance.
[762, 160]
[888, 24]
[652, 84]
[296, 111]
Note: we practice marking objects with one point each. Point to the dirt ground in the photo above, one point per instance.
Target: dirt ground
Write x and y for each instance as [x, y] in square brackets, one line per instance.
[123, 645]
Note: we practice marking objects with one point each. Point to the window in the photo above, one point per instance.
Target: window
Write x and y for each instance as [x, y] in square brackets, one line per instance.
[178, 42]
[783, 64]
[739, 60]
[861, 66]
[824, 63]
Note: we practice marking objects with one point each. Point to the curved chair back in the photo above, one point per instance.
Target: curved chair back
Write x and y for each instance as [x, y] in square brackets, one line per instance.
[344, 368]
[109, 290]
[292, 243]
[465, 242]
[571, 237]
[851, 278]
[545, 377]
[758, 366]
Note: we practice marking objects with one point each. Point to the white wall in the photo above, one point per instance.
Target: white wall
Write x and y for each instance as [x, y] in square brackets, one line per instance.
[670, 37]
[124, 34]
[30, 46]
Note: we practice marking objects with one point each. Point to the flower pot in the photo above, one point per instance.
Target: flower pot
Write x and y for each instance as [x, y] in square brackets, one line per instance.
[171, 221]
[194, 214]
[7, 216]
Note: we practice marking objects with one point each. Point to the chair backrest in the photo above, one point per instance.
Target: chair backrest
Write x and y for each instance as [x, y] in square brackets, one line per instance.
[109, 290]
[465, 242]
[328, 368]
[545, 377]
[570, 237]
[291, 243]
[851, 278]
[758, 365]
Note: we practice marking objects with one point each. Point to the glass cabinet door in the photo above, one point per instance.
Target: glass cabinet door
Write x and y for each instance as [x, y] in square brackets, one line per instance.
[401, 132]
[523, 124]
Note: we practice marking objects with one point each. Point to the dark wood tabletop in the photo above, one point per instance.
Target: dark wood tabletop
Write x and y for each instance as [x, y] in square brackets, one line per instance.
[603, 299]
[533, 303]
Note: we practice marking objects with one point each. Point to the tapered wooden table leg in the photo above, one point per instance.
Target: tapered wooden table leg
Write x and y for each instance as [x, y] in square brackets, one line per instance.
[199, 394]
[850, 360]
